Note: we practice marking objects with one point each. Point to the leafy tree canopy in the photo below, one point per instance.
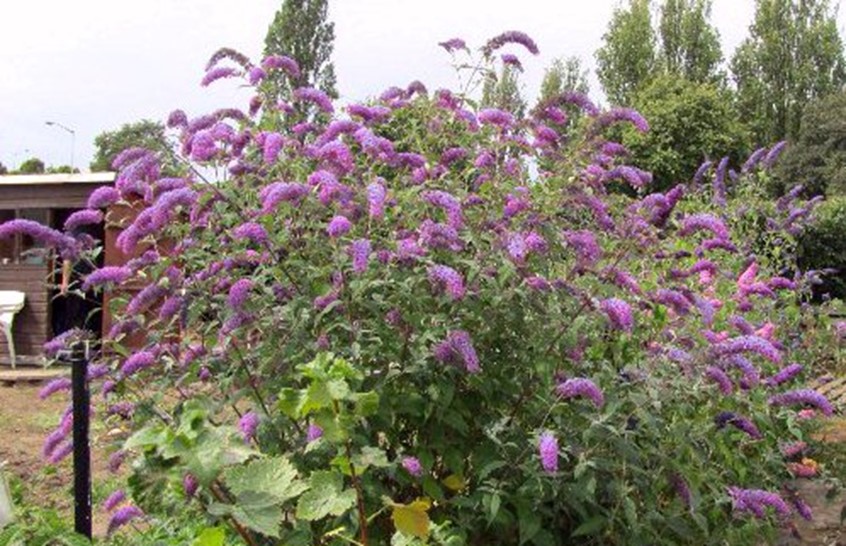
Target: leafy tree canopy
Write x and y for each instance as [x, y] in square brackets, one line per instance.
[681, 42]
[32, 165]
[688, 121]
[300, 30]
[503, 91]
[793, 54]
[817, 159]
[145, 134]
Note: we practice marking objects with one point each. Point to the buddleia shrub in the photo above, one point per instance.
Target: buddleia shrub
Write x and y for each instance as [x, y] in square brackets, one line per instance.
[416, 321]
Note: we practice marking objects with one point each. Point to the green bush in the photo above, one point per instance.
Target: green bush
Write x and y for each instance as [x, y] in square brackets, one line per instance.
[823, 246]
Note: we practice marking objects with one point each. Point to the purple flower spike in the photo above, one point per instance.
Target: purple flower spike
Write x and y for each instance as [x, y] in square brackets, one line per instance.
[137, 362]
[248, 424]
[548, 452]
[704, 221]
[720, 378]
[453, 44]
[190, 485]
[251, 231]
[785, 375]
[360, 252]
[754, 501]
[82, 218]
[286, 64]
[447, 279]
[458, 349]
[113, 500]
[807, 397]
[412, 466]
[123, 516]
[581, 387]
[103, 197]
[54, 386]
[511, 37]
[313, 433]
[239, 292]
[619, 314]
[218, 73]
[338, 226]
[749, 344]
[495, 116]
[448, 203]
[316, 97]
[376, 196]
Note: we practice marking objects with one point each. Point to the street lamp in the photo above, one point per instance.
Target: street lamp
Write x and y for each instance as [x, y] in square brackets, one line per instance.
[72, 134]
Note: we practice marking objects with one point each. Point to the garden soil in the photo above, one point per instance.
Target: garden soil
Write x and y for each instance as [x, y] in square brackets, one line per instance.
[24, 423]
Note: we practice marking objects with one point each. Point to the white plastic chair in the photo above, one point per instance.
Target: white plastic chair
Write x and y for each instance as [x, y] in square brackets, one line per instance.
[11, 302]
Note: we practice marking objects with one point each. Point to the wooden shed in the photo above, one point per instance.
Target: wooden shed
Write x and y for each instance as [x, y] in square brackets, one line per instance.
[48, 199]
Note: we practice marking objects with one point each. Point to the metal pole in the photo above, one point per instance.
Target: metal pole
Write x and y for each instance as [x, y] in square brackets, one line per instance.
[81, 447]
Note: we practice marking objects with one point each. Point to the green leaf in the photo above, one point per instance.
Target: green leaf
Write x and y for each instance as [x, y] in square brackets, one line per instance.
[412, 519]
[325, 496]
[370, 456]
[289, 402]
[259, 512]
[215, 450]
[211, 536]
[337, 389]
[590, 527]
[529, 521]
[317, 397]
[275, 476]
[155, 435]
[366, 403]
[630, 510]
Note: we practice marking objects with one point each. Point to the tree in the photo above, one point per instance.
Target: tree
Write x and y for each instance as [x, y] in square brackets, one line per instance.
[627, 57]
[688, 121]
[62, 169]
[690, 45]
[503, 91]
[300, 30]
[32, 165]
[3, 169]
[793, 54]
[817, 158]
[145, 134]
[564, 75]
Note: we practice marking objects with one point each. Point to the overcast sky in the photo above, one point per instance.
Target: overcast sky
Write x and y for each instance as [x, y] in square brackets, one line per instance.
[95, 64]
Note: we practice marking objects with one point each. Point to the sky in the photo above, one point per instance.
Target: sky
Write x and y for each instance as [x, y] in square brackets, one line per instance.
[92, 65]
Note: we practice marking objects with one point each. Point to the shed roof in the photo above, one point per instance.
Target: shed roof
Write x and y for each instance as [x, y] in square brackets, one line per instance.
[21, 191]
[77, 178]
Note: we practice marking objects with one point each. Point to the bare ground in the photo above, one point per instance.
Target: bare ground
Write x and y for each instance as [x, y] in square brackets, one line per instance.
[24, 423]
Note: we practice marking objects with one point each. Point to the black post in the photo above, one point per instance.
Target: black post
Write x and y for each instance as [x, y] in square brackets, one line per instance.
[81, 447]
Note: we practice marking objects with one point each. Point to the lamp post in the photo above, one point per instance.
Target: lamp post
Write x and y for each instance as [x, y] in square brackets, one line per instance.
[72, 134]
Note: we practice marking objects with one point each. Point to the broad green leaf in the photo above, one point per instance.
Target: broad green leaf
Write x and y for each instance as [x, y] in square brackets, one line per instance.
[529, 521]
[155, 435]
[325, 496]
[210, 536]
[215, 450]
[338, 389]
[590, 527]
[259, 512]
[412, 519]
[366, 403]
[317, 396]
[289, 402]
[370, 456]
[275, 476]
[454, 482]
